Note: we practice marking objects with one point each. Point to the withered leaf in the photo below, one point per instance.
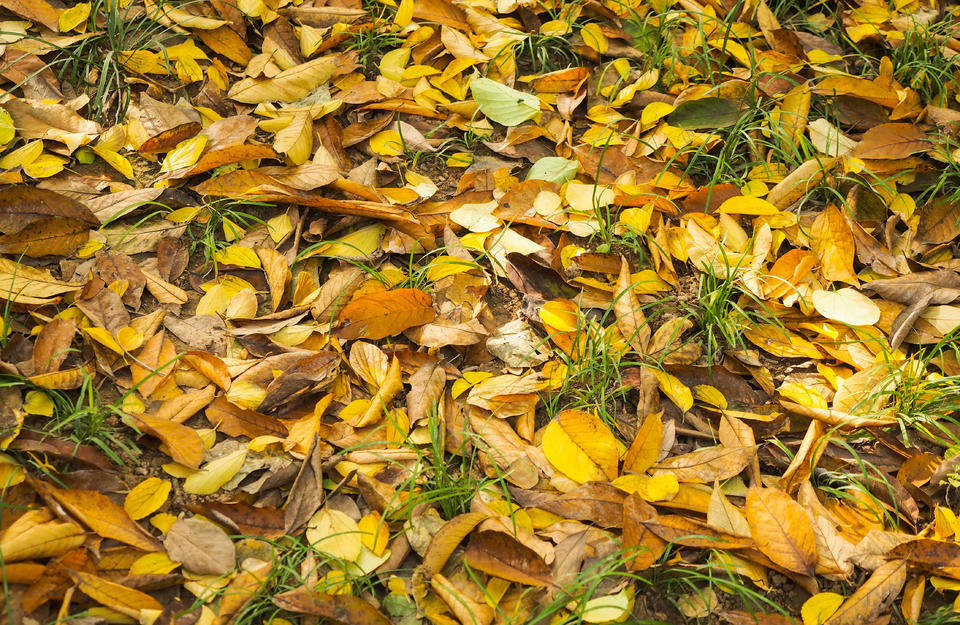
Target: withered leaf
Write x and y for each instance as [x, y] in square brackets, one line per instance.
[707, 464]
[503, 556]
[306, 494]
[337, 609]
[39, 222]
[384, 314]
[201, 547]
[781, 529]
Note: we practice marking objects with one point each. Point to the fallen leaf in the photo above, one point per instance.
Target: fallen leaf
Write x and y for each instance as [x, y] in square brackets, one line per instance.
[782, 530]
[202, 547]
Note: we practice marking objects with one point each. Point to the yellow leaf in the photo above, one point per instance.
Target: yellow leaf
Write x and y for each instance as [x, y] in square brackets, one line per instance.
[74, 16]
[125, 600]
[375, 532]
[219, 294]
[23, 155]
[675, 390]
[846, 305]
[611, 608]
[246, 394]
[38, 403]
[335, 534]
[239, 256]
[158, 563]
[44, 166]
[443, 266]
[661, 487]
[163, 521]
[469, 380]
[7, 129]
[102, 336]
[404, 13]
[113, 159]
[215, 474]
[289, 85]
[782, 530]
[393, 62]
[11, 473]
[279, 227]
[569, 459]
[296, 140]
[35, 535]
[745, 205]
[186, 154]
[818, 608]
[146, 497]
[645, 449]
[359, 244]
[129, 338]
[593, 36]
[803, 395]
[581, 447]
[387, 143]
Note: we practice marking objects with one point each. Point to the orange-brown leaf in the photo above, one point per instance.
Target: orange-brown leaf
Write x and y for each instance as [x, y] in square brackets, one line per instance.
[379, 315]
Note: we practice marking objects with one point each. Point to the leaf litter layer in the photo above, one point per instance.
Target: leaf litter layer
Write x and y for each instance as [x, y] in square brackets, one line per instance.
[479, 312]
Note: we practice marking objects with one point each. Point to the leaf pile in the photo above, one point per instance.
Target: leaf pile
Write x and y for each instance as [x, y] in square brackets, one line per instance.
[479, 312]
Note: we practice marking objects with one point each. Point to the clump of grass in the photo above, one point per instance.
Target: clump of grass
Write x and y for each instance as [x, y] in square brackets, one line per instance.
[723, 309]
[372, 44]
[95, 64]
[220, 222]
[82, 418]
[546, 53]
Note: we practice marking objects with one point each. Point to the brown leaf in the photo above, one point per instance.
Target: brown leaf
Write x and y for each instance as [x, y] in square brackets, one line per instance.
[53, 345]
[891, 141]
[183, 443]
[202, 547]
[447, 538]
[426, 389]
[689, 533]
[241, 589]
[640, 544]
[939, 221]
[596, 502]
[630, 318]
[209, 366]
[172, 257]
[125, 600]
[781, 529]
[34, 10]
[501, 555]
[120, 268]
[309, 374]
[384, 314]
[235, 421]
[260, 521]
[928, 552]
[101, 515]
[871, 599]
[165, 124]
[707, 464]
[105, 309]
[306, 494]
[278, 274]
[337, 609]
[38, 222]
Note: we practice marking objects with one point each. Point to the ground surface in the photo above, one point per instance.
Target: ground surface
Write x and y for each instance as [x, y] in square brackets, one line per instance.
[479, 312]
